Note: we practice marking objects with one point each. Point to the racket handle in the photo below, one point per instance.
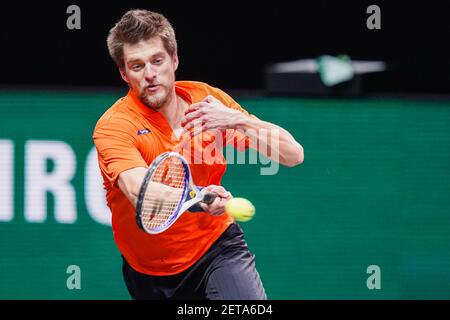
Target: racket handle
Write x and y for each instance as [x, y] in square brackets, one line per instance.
[208, 198]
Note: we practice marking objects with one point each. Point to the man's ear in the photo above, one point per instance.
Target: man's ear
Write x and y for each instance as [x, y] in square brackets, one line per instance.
[123, 75]
[175, 61]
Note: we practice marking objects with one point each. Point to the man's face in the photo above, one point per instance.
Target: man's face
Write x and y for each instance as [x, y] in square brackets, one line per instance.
[150, 71]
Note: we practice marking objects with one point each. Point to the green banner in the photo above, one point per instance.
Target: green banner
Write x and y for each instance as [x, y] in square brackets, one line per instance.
[366, 216]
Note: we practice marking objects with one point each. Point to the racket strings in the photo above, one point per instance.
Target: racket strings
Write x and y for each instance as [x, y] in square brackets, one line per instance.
[163, 194]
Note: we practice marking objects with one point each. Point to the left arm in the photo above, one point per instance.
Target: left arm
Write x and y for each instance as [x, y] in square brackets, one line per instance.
[273, 141]
[267, 138]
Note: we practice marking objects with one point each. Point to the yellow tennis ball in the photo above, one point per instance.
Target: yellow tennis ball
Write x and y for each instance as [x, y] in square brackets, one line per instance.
[241, 209]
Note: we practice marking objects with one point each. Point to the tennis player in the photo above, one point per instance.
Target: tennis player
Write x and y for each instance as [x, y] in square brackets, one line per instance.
[203, 255]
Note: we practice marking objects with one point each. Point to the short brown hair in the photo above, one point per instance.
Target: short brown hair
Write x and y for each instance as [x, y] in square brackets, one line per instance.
[137, 25]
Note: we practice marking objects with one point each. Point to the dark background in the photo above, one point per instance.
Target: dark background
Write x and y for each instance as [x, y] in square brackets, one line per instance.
[228, 43]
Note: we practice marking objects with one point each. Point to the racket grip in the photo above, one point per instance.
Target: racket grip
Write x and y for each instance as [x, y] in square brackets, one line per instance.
[208, 198]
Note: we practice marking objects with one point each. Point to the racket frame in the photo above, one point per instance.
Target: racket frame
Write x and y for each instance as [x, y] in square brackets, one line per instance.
[183, 204]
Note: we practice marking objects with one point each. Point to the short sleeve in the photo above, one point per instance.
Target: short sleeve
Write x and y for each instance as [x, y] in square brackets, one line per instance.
[116, 148]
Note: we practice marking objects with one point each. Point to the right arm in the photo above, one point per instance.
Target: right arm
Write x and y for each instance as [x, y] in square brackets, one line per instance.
[129, 182]
[120, 159]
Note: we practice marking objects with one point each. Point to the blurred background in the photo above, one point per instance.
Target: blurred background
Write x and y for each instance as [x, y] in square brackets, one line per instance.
[371, 108]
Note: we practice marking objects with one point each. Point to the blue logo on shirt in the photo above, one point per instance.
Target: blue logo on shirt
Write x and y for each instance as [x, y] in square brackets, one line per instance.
[143, 131]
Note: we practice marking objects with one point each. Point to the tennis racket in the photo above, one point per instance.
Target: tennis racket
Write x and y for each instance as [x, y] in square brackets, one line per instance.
[167, 191]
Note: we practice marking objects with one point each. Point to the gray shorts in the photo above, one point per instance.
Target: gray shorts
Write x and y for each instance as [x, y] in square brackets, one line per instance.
[226, 272]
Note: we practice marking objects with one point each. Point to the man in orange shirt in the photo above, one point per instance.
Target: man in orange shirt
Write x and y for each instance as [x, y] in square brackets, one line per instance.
[202, 255]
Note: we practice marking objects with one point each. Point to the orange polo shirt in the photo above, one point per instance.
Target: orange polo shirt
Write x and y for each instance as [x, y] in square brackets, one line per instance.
[130, 135]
